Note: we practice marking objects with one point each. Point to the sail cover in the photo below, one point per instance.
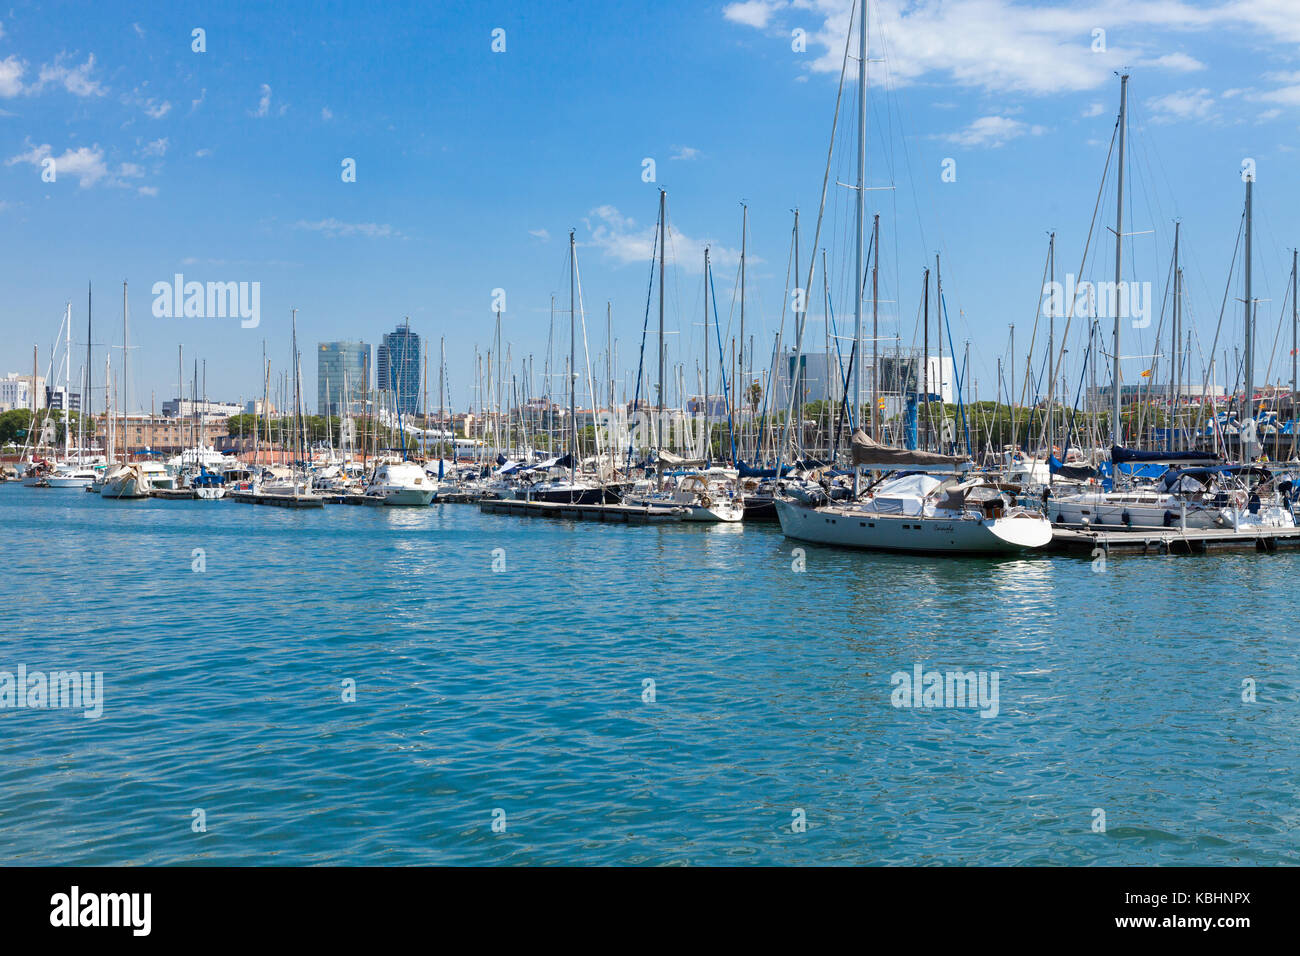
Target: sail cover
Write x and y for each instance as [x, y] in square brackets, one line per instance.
[1121, 455]
[869, 452]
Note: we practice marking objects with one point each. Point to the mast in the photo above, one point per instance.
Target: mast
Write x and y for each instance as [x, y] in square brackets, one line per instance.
[744, 229]
[67, 384]
[1115, 433]
[938, 334]
[875, 327]
[1248, 395]
[85, 395]
[1051, 348]
[126, 381]
[442, 408]
[925, 357]
[1294, 344]
[663, 243]
[1174, 437]
[859, 211]
[573, 357]
[707, 443]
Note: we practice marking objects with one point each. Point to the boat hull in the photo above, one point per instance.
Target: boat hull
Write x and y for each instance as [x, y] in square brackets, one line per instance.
[852, 528]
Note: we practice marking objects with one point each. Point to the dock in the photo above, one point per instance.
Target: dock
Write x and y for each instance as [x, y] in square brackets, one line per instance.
[620, 514]
[349, 498]
[173, 494]
[1170, 541]
[280, 501]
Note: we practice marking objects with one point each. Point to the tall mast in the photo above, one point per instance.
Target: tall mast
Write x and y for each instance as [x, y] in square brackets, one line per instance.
[1294, 344]
[875, 327]
[859, 212]
[1175, 384]
[925, 358]
[1248, 395]
[85, 395]
[744, 229]
[707, 443]
[938, 334]
[67, 383]
[1119, 253]
[663, 243]
[126, 381]
[1051, 348]
[573, 357]
[442, 408]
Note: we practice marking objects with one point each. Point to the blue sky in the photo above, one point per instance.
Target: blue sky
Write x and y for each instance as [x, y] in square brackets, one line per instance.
[473, 165]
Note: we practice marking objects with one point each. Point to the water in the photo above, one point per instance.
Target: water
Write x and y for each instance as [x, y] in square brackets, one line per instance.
[522, 691]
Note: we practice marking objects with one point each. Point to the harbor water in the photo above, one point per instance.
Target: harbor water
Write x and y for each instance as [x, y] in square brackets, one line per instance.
[549, 692]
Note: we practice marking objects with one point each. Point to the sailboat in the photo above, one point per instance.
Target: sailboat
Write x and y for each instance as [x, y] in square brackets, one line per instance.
[916, 511]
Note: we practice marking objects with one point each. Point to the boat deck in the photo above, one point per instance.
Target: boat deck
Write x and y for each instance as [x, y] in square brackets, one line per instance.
[621, 514]
[1168, 541]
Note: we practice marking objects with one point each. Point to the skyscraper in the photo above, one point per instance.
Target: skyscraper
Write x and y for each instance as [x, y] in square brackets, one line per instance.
[398, 371]
[338, 363]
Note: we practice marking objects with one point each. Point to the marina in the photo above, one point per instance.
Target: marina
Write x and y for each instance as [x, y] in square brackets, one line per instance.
[739, 435]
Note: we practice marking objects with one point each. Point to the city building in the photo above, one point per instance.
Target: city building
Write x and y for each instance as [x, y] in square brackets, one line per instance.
[16, 391]
[187, 408]
[340, 365]
[398, 369]
[900, 374]
[61, 398]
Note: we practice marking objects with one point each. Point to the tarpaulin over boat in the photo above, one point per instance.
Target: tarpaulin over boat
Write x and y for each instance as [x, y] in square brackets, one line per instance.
[1121, 455]
[668, 459]
[1076, 472]
[749, 471]
[869, 452]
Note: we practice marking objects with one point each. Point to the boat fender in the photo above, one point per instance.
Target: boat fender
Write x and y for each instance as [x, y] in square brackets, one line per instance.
[1170, 518]
[1126, 517]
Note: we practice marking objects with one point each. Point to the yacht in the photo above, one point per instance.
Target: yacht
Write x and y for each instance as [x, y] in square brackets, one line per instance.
[921, 513]
[401, 483]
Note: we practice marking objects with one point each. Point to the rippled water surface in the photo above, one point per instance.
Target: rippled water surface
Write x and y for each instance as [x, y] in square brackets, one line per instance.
[521, 691]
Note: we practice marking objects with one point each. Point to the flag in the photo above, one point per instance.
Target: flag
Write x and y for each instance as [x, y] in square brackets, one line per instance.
[1147, 373]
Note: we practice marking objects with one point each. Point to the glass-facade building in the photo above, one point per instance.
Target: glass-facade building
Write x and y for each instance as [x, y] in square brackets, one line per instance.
[398, 371]
[340, 365]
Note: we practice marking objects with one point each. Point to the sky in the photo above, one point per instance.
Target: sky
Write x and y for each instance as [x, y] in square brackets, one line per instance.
[472, 164]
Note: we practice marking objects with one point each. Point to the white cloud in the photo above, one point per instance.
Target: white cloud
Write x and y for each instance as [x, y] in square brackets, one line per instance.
[1003, 46]
[1182, 105]
[685, 152]
[148, 190]
[621, 239]
[11, 77]
[1094, 109]
[752, 13]
[86, 163]
[157, 147]
[195, 104]
[326, 114]
[541, 234]
[203, 152]
[263, 104]
[156, 110]
[1175, 61]
[76, 80]
[992, 131]
[333, 228]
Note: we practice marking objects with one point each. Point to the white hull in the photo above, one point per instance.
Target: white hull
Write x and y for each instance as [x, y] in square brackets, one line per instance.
[404, 496]
[69, 481]
[129, 487]
[210, 494]
[856, 528]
